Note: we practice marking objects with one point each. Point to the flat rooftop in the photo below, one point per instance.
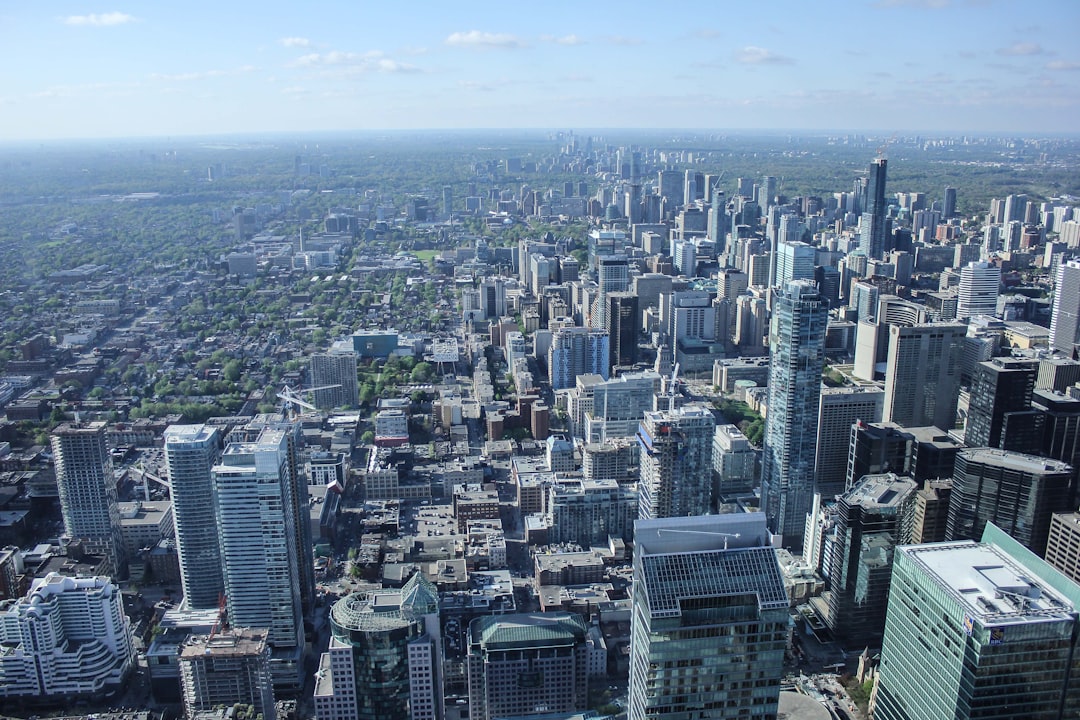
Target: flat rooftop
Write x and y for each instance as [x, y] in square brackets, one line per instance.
[989, 584]
[885, 490]
[1016, 461]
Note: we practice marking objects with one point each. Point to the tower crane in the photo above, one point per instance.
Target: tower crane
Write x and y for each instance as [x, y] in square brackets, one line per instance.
[291, 399]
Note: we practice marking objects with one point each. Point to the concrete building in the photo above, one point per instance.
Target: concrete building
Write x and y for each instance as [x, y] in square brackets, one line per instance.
[576, 351]
[391, 428]
[588, 512]
[978, 630]
[999, 411]
[710, 619]
[334, 369]
[87, 486]
[980, 285]
[734, 461]
[922, 375]
[190, 454]
[676, 463]
[523, 664]
[227, 668]
[67, 638]
[1063, 545]
[1065, 318]
[840, 408]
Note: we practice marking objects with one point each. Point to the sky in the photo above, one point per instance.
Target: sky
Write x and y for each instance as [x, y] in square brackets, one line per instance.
[132, 68]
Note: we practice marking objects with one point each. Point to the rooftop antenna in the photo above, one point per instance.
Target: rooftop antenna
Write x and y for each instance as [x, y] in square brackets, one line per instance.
[701, 532]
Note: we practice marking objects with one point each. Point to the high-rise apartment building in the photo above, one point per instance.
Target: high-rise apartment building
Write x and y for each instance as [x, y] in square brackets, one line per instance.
[334, 369]
[734, 461]
[676, 462]
[980, 285]
[612, 276]
[709, 620]
[1065, 319]
[522, 664]
[260, 568]
[797, 359]
[190, 454]
[87, 487]
[67, 638]
[922, 374]
[1018, 493]
[576, 351]
[978, 630]
[229, 667]
[588, 512]
[840, 408]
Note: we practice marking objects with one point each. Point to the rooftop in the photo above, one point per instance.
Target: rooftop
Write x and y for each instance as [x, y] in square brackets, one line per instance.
[527, 630]
[1015, 461]
[886, 490]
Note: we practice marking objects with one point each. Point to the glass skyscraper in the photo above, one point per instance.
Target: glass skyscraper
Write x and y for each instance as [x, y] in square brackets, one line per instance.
[872, 223]
[710, 619]
[978, 630]
[797, 359]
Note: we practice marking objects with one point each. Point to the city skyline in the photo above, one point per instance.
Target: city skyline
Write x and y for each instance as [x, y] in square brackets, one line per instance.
[88, 71]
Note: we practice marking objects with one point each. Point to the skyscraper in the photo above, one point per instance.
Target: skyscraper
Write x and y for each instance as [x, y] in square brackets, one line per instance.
[190, 454]
[612, 275]
[797, 359]
[922, 374]
[872, 224]
[575, 351]
[87, 486]
[794, 261]
[623, 321]
[334, 368]
[978, 630]
[260, 568]
[676, 462]
[1065, 320]
[1018, 493]
[840, 408]
[868, 519]
[999, 412]
[230, 667]
[980, 285]
[709, 619]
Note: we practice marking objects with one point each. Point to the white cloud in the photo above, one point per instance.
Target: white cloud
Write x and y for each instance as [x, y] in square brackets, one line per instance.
[99, 20]
[476, 38]
[1023, 48]
[751, 55]
[1062, 65]
[564, 40]
[623, 40]
[370, 61]
[295, 42]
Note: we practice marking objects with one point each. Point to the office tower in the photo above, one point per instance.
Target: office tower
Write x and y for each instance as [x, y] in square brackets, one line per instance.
[576, 351]
[521, 664]
[841, 408]
[872, 224]
[794, 261]
[1063, 545]
[867, 529]
[589, 512]
[922, 374]
[1057, 374]
[980, 285]
[949, 205]
[864, 299]
[999, 411]
[1016, 492]
[797, 359]
[1065, 320]
[928, 513]
[670, 184]
[688, 315]
[876, 448]
[751, 322]
[977, 630]
[384, 660]
[767, 191]
[493, 297]
[334, 369]
[693, 186]
[709, 619]
[226, 668]
[734, 461]
[676, 462]
[190, 454]
[933, 453]
[623, 321]
[828, 282]
[257, 525]
[1060, 426]
[87, 487]
[67, 639]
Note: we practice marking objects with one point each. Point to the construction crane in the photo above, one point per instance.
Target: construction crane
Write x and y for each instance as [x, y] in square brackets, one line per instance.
[219, 621]
[147, 475]
[291, 399]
